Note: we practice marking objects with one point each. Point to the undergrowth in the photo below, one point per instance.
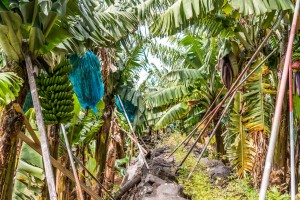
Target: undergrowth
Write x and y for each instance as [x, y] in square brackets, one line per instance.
[199, 186]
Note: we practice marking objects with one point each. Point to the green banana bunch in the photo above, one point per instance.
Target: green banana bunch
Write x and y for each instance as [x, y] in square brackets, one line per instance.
[56, 94]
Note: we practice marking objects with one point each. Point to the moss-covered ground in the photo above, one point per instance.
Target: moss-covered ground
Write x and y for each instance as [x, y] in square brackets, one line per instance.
[199, 186]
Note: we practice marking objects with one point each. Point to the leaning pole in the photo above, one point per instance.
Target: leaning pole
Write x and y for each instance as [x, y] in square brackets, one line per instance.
[278, 108]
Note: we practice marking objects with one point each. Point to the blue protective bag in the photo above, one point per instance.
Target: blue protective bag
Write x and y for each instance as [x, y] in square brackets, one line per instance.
[87, 79]
[28, 102]
[129, 108]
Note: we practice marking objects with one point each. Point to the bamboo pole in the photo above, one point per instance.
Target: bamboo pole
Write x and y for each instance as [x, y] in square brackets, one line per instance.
[292, 143]
[192, 133]
[42, 129]
[79, 192]
[278, 108]
[18, 108]
[130, 136]
[133, 133]
[212, 134]
[57, 165]
[93, 177]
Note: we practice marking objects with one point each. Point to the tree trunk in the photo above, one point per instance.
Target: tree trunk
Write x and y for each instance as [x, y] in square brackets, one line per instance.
[110, 84]
[261, 147]
[278, 174]
[10, 125]
[110, 165]
[81, 172]
[219, 141]
[121, 146]
[53, 135]
[62, 182]
[102, 142]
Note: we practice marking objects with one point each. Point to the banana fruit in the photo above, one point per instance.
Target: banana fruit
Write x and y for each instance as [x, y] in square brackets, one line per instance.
[56, 94]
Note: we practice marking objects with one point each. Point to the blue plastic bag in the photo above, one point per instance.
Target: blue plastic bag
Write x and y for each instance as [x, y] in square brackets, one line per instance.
[129, 108]
[87, 79]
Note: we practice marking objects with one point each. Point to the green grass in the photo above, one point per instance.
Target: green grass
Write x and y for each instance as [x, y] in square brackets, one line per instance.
[200, 187]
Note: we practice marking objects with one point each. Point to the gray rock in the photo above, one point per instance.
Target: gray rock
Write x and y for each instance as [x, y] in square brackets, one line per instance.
[205, 162]
[219, 174]
[154, 179]
[167, 191]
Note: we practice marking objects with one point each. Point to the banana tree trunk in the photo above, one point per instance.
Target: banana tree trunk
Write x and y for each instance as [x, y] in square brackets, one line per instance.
[280, 155]
[110, 85]
[219, 141]
[102, 142]
[10, 125]
[110, 166]
[53, 134]
[63, 185]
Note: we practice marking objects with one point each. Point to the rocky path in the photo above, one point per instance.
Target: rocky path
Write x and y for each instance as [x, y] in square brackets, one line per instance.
[159, 181]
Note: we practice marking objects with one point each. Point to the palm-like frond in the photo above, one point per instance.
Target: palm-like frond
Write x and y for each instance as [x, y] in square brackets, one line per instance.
[29, 179]
[181, 13]
[174, 113]
[260, 7]
[183, 74]
[150, 8]
[241, 152]
[10, 85]
[97, 27]
[257, 96]
[166, 96]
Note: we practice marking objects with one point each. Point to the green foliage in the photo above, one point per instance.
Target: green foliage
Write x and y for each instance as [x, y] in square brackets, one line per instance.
[174, 113]
[260, 7]
[250, 116]
[183, 74]
[33, 21]
[29, 179]
[10, 85]
[166, 96]
[296, 106]
[241, 150]
[257, 94]
[93, 25]
[181, 13]
[83, 129]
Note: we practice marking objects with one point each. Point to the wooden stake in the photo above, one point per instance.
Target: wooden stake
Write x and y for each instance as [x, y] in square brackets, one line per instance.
[79, 192]
[17, 107]
[135, 138]
[57, 165]
[42, 129]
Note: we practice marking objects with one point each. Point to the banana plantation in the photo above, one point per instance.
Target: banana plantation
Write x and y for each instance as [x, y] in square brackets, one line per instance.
[149, 99]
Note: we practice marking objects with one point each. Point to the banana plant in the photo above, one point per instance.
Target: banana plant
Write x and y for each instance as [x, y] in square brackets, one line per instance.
[182, 91]
[30, 178]
[10, 85]
[228, 23]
